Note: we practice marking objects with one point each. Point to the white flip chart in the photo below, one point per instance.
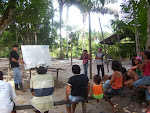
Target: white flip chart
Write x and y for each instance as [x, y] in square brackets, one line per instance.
[33, 54]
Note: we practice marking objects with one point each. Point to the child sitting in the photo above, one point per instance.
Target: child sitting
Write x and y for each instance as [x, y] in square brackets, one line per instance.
[134, 73]
[97, 89]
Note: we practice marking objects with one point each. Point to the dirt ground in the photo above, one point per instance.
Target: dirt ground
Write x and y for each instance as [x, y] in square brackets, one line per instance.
[23, 98]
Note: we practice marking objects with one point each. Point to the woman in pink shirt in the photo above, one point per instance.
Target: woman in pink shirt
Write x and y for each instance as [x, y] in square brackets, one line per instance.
[86, 57]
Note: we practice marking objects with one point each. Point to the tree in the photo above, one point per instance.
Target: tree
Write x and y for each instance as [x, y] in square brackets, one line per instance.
[7, 14]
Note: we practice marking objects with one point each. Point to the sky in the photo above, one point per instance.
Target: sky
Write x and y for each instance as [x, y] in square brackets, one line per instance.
[75, 18]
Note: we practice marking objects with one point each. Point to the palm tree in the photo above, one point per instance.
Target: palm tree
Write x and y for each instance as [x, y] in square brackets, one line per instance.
[148, 26]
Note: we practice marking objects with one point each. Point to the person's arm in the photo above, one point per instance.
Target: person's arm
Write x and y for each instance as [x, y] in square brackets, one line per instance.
[112, 78]
[67, 92]
[143, 64]
[21, 61]
[103, 90]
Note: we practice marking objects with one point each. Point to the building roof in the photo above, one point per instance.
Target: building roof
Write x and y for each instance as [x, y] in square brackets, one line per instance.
[113, 39]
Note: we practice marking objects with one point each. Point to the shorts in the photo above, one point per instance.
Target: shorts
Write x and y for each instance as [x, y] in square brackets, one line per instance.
[74, 98]
[98, 96]
[144, 81]
[113, 91]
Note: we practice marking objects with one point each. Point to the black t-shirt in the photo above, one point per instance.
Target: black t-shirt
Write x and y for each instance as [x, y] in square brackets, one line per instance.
[14, 54]
[78, 85]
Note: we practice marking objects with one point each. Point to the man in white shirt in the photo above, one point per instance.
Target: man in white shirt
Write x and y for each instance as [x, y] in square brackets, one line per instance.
[42, 88]
[7, 95]
[99, 61]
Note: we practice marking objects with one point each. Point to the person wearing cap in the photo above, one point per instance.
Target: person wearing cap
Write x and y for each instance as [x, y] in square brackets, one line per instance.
[15, 60]
[145, 81]
[134, 73]
[99, 61]
[7, 95]
[42, 88]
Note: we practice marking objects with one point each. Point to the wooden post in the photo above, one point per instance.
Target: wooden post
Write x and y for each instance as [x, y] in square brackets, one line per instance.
[30, 73]
[90, 45]
[119, 50]
[71, 50]
[57, 75]
[84, 106]
[104, 45]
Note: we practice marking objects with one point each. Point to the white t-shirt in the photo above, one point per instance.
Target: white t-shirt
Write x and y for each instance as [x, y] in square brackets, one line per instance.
[99, 62]
[6, 95]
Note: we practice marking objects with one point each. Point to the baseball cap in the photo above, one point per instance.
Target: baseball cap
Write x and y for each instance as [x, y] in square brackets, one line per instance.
[41, 64]
[139, 58]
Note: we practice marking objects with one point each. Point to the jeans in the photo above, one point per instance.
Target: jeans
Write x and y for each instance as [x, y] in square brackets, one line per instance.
[102, 70]
[144, 81]
[17, 75]
[85, 66]
[74, 98]
[106, 85]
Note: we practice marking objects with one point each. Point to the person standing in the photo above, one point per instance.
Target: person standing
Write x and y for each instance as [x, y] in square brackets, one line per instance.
[99, 61]
[15, 60]
[7, 95]
[86, 57]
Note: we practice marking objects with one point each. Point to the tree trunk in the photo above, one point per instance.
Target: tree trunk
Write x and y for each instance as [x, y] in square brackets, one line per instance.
[148, 27]
[90, 45]
[67, 26]
[60, 12]
[83, 30]
[6, 19]
[27, 34]
[136, 30]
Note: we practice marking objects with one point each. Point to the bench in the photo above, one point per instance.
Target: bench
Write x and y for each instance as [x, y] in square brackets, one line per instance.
[24, 107]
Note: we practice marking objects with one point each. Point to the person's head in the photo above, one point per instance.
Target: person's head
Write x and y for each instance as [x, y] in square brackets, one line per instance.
[146, 54]
[76, 69]
[116, 66]
[1, 75]
[15, 47]
[97, 79]
[100, 50]
[85, 51]
[41, 68]
[138, 60]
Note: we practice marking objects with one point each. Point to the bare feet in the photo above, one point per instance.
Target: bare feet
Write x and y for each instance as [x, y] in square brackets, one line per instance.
[115, 109]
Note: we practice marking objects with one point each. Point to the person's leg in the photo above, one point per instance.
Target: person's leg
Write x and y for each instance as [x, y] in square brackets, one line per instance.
[144, 81]
[98, 69]
[68, 108]
[84, 67]
[133, 75]
[148, 99]
[102, 70]
[15, 78]
[73, 107]
[129, 83]
[112, 104]
[106, 85]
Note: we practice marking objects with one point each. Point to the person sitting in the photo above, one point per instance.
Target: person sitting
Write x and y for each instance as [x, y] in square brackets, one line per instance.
[134, 73]
[79, 86]
[97, 90]
[42, 88]
[116, 84]
[145, 81]
[7, 95]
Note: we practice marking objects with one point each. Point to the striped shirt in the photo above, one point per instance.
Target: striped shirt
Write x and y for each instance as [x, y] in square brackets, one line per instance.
[43, 86]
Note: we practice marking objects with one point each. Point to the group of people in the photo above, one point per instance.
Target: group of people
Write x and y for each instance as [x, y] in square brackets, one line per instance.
[99, 61]
[78, 86]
